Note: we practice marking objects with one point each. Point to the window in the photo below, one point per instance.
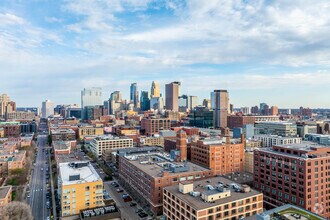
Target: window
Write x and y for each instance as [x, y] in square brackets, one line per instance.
[87, 188]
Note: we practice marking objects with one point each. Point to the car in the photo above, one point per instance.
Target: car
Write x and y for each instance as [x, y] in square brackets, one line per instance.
[28, 195]
[142, 215]
[132, 204]
[41, 169]
[119, 190]
[139, 210]
[124, 196]
[48, 218]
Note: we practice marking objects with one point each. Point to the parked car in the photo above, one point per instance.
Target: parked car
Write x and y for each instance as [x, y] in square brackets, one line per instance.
[142, 215]
[139, 210]
[132, 204]
[119, 190]
[28, 195]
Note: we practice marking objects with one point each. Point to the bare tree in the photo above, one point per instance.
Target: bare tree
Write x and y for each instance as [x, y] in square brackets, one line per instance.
[16, 211]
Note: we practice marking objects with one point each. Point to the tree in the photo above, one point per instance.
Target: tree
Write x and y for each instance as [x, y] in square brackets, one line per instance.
[16, 210]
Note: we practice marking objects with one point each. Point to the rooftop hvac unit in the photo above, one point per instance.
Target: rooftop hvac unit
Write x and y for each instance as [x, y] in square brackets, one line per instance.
[195, 193]
[74, 177]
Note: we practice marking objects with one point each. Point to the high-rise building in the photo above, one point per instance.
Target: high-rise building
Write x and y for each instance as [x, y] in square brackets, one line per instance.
[245, 110]
[90, 97]
[221, 104]
[6, 106]
[172, 91]
[134, 94]
[181, 144]
[254, 110]
[47, 108]
[145, 101]
[157, 103]
[273, 110]
[155, 89]
[192, 102]
[115, 103]
[212, 100]
[207, 103]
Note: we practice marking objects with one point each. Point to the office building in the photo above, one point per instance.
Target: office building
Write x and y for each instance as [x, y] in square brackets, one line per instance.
[323, 127]
[222, 156]
[322, 139]
[238, 121]
[155, 89]
[273, 110]
[172, 92]
[20, 116]
[192, 102]
[248, 130]
[109, 142]
[134, 94]
[79, 187]
[254, 110]
[245, 110]
[115, 103]
[145, 101]
[90, 97]
[303, 129]
[47, 109]
[274, 140]
[157, 104]
[6, 106]
[146, 172]
[212, 100]
[11, 129]
[5, 195]
[221, 108]
[36, 110]
[152, 126]
[296, 173]
[213, 198]
[183, 103]
[201, 117]
[63, 135]
[207, 103]
[285, 129]
[94, 112]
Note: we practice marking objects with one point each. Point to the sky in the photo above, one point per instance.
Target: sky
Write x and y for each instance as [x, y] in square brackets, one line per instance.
[270, 51]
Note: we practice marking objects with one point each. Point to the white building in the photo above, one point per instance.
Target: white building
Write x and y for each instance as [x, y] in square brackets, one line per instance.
[192, 102]
[109, 142]
[47, 108]
[274, 140]
[157, 103]
[245, 110]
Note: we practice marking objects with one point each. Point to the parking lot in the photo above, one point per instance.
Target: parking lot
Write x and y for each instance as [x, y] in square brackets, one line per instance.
[129, 211]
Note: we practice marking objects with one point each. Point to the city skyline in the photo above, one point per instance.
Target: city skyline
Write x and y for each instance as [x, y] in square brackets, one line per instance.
[256, 55]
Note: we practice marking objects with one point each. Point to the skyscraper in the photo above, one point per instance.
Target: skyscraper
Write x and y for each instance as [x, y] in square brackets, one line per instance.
[115, 102]
[47, 108]
[192, 102]
[6, 106]
[155, 89]
[172, 91]
[90, 97]
[145, 101]
[221, 103]
[134, 94]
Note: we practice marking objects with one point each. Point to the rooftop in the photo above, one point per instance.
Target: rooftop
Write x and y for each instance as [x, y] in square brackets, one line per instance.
[63, 131]
[219, 141]
[156, 163]
[276, 122]
[110, 137]
[61, 145]
[78, 172]
[4, 191]
[212, 186]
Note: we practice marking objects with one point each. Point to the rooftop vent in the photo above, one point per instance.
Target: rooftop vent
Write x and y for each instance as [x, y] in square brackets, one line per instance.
[74, 177]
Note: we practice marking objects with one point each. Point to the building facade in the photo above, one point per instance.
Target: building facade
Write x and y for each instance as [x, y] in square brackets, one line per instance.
[272, 140]
[152, 126]
[47, 108]
[109, 142]
[172, 92]
[90, 97]
[221, 108]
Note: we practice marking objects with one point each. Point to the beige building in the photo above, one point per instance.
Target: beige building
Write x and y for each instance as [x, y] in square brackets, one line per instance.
[5, 195]
[79, 187]
[155, 89]
[213, 198]
[172, 92]
[248, 163]
[154, 125]
[151, 141]
[2, 132]
[90, 131]
[109, 142]
[221, 108]
[252, 143]
[20, 116]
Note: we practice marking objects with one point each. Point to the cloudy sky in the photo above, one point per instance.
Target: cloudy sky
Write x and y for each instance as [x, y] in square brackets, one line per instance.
[260, 50]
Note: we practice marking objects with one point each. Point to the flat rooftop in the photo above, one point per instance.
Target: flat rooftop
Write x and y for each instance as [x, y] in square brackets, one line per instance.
[110, 137]
[63, 131]
[61, 145]
[86, 173]
[201, 186]
[4, 191]
[156, 163]
[220, 141]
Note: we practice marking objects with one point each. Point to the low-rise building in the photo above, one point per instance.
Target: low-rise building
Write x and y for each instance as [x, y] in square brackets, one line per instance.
[248, 161]
[20, 116]
[322, 139]
[151, 141]
[146, 172]
[90, 131]
[63, 147]
[79, 188]
[2, 133]
[284, 129]
[212, 198]
[271, 140]
[63, 135]
[5, 195]
[152, 126]
[109, 142]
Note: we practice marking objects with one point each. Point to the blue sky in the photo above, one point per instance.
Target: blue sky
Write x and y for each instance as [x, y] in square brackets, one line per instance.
[260, 50]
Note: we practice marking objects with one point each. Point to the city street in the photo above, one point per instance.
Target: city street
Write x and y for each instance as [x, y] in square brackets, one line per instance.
[38, 184]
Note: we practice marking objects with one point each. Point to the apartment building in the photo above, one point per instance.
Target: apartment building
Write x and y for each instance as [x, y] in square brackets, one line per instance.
[271, 140]
[146, 172]
[90, 131]
[5, 195]
[152, 126]
[109, 142]
[238, 121]
[212, 198]
[79, 187]
[221, 155]
[12, 160]
[249, 161]
[20, 116]
[297, 174]
[11, 129]
[151, 141]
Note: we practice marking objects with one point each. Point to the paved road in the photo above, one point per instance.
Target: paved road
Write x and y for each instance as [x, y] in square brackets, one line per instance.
[38, 188]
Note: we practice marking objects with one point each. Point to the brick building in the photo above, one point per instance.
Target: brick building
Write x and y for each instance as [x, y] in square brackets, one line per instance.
[213, 198]
[296, 174]
[145, 174]
[154, 125]
[238, 121]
